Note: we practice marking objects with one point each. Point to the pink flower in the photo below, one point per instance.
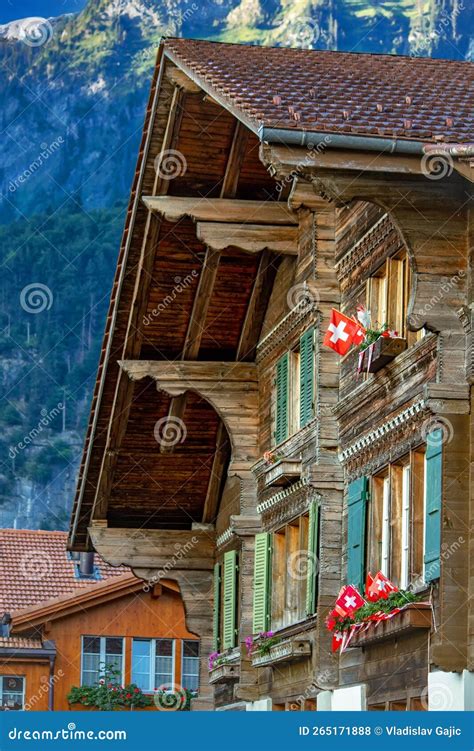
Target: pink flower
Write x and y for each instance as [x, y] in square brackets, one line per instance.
[101, 681]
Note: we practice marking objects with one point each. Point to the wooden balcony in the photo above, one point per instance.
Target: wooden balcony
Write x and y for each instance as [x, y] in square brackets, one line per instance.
[283, 472]
[414, 617]
[288, 650]
[225, 672]
[384, 350]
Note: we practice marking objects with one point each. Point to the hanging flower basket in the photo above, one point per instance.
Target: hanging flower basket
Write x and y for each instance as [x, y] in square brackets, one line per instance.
[378, 354]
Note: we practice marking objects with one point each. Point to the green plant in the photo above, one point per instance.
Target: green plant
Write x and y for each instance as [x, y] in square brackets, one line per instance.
[108, 694]
[394, 600]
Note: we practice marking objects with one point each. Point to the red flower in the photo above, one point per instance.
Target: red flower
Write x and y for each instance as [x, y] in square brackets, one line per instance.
[128, 696]
[137, 690]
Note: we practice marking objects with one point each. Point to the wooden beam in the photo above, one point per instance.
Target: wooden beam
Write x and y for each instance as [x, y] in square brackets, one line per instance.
[219, 464]
[156, 549]
[133, 338]
[257, 306]
[234, 162]
[251, 238]
[179, 78]
[192, 373]
[173, 208]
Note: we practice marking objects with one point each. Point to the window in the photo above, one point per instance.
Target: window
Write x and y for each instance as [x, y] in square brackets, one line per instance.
[101, 653]
[190, 664]
[388, 294]
[153, 663]
[286, 573]
[395, 520]
[12, 692]
[294, 388]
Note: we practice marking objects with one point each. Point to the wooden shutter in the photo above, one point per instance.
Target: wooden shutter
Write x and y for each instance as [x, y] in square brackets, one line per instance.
[313, 572]
[262, 583]
[282, 389]
[396, 295]
[216, 615]
[356, 523]
[433, 479]
[306, 377]
[230, 600]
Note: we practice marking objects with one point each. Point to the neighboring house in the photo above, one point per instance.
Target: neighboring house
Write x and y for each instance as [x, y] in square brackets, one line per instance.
[273, 185]
[64, 620]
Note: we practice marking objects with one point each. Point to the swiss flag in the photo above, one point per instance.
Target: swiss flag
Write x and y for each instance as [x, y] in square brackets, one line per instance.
[342, 333]
[336, 641]
[371, 595]
[348, 601]
[381, 587]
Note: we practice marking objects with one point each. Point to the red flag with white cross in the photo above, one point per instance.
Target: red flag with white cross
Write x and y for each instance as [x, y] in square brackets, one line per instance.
[336, 641]
[381, 587]
[348, 601]
[342, 333]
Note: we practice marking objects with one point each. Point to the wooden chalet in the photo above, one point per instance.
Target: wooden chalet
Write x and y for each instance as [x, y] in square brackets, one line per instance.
[273, 185]
[65, 622]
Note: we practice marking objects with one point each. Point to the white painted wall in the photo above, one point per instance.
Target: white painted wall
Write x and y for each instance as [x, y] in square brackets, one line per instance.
[450, 691]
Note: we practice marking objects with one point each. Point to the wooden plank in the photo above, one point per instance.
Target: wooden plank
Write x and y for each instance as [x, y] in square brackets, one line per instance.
[219, 464]
[173, 208]
[257, 308]
[192, 371]
[251, 238]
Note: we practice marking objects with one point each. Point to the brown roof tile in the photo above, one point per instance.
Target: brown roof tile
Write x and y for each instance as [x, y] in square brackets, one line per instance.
[338, 92]
[35, 568]
[20, 642]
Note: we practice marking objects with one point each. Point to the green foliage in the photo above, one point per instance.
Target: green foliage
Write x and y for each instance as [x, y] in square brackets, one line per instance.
[394, 600]
[108, 694]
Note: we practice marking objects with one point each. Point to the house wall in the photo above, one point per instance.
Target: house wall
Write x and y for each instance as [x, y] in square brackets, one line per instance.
[136, 615]
[36, 675]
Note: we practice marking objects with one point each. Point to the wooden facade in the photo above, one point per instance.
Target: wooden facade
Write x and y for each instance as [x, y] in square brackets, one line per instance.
[213, 356]
[46, 649]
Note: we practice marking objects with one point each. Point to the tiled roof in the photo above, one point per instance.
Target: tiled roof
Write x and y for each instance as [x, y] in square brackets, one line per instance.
[20, 642]
[35, 568]
[340, 92]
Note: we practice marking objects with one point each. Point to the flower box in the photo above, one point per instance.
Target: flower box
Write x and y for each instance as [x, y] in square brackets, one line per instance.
[224, 672]
[285, 651]
[380, 353]
[283, 472]
[413, 617]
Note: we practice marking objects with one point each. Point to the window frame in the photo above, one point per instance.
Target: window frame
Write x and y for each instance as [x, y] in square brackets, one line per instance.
[198, 659]
[152, 656]
[291, 589]
[23, 685]
[102, 656]
[405, 526]
[293, 417]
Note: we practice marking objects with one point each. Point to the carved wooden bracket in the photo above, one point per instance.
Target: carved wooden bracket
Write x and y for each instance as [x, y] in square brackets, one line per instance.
[231, 388]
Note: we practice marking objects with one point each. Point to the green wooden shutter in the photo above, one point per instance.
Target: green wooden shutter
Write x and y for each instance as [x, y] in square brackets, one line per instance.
[282, 396]
[230, 600]
[433, 480]
[306, 377]
[356, 522]
[262, 582]
[313, 562]
[216, 615]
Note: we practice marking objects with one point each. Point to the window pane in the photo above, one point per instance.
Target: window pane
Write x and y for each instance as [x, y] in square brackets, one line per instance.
[141, 663]
[113, 646]
[164, 647]
[91, 644]
[190, 648]
[12, 692]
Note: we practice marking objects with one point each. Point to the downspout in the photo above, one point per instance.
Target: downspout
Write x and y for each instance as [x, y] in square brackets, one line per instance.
[52, 658]
[315, 139]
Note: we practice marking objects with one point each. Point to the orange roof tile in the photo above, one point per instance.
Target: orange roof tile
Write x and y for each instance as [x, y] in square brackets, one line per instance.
[20, 642]
[335, 92]
[35, 568]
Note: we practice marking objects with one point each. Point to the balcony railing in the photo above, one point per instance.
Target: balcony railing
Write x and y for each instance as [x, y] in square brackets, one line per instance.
[285, 651]
[283, 472]
[412, 618]
[227, 669]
